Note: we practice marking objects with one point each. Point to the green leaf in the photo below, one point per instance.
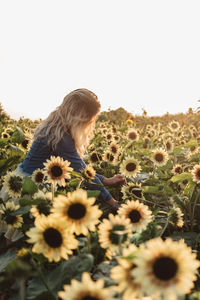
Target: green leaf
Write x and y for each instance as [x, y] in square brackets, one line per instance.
[181, 177]
[20, 211]
[91, 193]
[76, 174]
[18, 135]
[189, 188]
[74, 182]
[26, 201]
[191, 143]
[15, 151]
[6, 258]
[29, 187]
[67, 270]
[151, 189]
[177, 151]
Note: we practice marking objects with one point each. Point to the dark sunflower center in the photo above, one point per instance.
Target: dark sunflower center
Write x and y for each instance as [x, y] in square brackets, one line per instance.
[89, 298]
[10, 219]
[159, 157]
[76, 211]
[165, 268]
[114, 149]
[130, 167]
[174, 126]
[43, 208]
[109, 136]
[178, 170]
[53, 237]
[94, 157]
[132, 135]
[15, 183]
[56, 171]
[110, 157]
[198, 173]
[136, 191]
[134, 215]
[5, 135]
[25, 143]
[116, 236]
[39, 177]
[89, 173]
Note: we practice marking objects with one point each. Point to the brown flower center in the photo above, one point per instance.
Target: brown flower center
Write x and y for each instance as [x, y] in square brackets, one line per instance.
[134, 215]
[165, 268]
[76, 211]
[56, 171]
[130, 167]
[159, 157]
[52, 237]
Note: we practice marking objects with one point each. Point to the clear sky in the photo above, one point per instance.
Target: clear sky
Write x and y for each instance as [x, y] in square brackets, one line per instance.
[131, 53]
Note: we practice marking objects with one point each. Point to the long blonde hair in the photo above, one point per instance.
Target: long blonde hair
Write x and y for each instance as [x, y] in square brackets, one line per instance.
[76, 115]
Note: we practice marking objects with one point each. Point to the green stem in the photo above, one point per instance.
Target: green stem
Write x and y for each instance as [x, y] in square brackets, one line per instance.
[21, 289]
[52, 190]
[43, 278]
[165, 227]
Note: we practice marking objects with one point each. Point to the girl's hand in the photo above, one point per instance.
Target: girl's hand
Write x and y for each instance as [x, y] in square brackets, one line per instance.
[115, 180]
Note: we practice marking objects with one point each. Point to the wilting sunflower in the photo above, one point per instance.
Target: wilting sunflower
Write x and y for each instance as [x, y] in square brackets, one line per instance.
[165, 268]
[133, 135]
[13, 183]
[87, 289]
[38, 176]
[196, 173]
[122, 274]
[130, 167]
[138, 214]
[176, 216]
[160, 157]
[6, 215]
[77, 211]
[52, 238]
[174, 126]
[57, 170]
[89, 172]
[114, 232]
[132, 189]
[177, 169]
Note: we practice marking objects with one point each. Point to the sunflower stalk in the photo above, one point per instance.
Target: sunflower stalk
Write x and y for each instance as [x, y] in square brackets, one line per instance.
[21, 289]
[52, 191]
[165, 227]
[42, 278]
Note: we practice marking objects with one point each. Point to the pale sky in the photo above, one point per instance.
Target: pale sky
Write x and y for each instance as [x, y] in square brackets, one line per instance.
[132, 53]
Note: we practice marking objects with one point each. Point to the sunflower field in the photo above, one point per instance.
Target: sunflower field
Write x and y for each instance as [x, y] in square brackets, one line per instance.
[58, 241]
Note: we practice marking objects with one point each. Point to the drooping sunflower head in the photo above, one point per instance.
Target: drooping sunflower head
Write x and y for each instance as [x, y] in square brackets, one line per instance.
[43, 206]
[12, 221]
[13, 183]
[89, 172]
[113, 232]
[130, 167]
[169, 145]
[57, 170]
[176, 216]
[166, 268]
[52, 238]
[196, 173]
[138, 214]
[174, 126]
[38, 176]
[78, 211]
[160, 157]
[87, 289]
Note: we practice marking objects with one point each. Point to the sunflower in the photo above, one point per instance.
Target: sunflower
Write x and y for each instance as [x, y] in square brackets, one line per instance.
[165, 268]
[133, 135]
[109, 157]
[52, 238]
[109, 136]
[192, 150]
[57, 170]
[95, 157]
[196, 173]
[114, 232]
[177, 169]
[114, 149]
[89, 172]
[13, 183]
[129, 122]
[122, 275]
[87, 289]
[12, 221]
[78, 211]
[130, 167]
[38, 176]
[176, 217]
[160, 157]
[174, 126]
[138, 214]
[43, 206]
[5, 135]
[132, 189]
